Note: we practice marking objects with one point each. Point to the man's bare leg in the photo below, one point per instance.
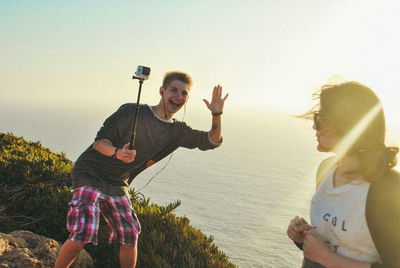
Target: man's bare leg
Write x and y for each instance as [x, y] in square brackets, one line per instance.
[127, 256]
[68, 253]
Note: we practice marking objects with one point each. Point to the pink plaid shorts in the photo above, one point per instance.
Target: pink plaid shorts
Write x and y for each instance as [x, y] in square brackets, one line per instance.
[84, 216]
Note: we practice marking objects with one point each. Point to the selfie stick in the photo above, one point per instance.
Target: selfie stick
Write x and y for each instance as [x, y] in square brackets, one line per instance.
[142, 74]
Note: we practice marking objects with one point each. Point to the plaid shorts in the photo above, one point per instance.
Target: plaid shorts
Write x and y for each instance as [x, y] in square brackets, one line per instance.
[84, 216]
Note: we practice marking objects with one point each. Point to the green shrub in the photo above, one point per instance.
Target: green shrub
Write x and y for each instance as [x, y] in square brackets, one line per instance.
[170, 241]
[35, 188]
[28, 162]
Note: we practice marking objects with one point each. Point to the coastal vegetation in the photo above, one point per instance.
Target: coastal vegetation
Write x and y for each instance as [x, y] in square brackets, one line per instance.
[35, 188]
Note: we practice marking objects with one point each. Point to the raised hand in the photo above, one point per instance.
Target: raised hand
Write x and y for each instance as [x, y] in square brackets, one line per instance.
[217, 102]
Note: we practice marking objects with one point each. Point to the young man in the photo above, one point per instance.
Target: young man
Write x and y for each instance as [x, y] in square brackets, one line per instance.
[102, 174]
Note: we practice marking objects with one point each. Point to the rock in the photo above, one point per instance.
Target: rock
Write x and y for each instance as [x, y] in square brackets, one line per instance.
[21, 249]
[5, 241]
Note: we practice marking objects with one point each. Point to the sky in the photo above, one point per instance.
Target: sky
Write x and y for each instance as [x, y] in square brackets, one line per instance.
[62, 62]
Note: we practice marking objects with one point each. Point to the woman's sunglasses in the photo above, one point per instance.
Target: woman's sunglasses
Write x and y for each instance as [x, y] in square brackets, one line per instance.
[316, 120]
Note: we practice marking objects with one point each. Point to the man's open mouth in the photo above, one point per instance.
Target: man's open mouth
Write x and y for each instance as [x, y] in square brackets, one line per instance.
[175, 104]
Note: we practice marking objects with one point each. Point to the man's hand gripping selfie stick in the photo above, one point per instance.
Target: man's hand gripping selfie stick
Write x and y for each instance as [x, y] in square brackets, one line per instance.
[142, 73]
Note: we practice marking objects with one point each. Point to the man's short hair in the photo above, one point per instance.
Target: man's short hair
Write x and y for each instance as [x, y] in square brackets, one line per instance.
[174, 75]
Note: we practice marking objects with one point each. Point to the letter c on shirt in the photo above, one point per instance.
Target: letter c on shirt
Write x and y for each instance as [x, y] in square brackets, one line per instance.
[326, 216]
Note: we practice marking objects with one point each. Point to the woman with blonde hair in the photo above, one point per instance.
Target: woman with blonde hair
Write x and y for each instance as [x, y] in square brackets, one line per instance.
[355, 211]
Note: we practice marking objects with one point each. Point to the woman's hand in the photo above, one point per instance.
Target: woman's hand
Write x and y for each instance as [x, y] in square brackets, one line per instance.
[314, 247]
[296, 228]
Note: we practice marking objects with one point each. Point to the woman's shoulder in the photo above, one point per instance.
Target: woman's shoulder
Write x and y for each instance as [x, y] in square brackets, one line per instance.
[324, 168]
[328, 162]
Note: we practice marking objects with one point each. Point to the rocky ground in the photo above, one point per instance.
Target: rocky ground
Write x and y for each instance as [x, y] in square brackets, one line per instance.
[22, 249]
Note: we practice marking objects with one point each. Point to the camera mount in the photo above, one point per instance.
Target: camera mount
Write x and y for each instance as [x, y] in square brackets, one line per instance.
[142, 73]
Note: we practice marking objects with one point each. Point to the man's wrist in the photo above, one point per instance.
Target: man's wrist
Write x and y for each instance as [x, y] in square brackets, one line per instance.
[216, 113]
[115, 153]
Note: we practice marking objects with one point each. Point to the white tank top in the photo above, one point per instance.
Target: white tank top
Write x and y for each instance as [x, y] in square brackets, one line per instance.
[338, 215]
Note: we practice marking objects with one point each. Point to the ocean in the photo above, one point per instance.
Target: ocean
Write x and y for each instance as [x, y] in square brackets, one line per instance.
[244, 193]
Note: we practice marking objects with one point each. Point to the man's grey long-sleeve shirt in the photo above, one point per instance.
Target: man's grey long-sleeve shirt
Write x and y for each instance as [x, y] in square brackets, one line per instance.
[155, 139]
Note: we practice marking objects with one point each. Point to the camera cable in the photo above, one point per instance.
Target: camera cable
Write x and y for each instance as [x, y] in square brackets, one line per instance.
[169, 159]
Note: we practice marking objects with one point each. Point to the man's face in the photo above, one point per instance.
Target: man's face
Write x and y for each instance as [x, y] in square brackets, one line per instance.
[174, 96]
